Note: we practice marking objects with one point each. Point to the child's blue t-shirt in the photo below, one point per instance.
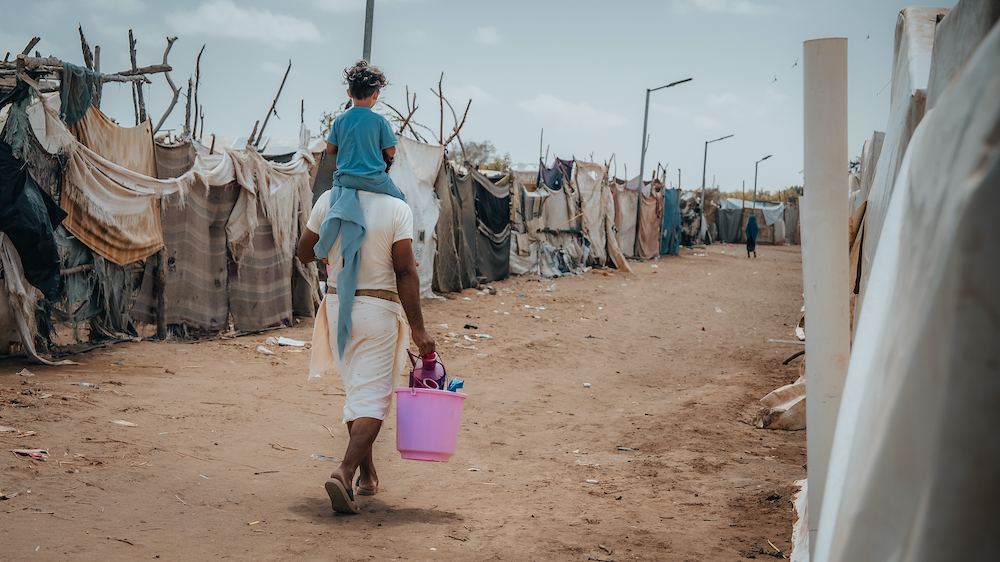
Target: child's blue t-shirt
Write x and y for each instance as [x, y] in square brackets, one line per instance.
[360, 136]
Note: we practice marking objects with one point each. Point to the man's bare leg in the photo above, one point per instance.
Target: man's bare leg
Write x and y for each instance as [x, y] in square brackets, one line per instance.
[369, 478]
[359, 453]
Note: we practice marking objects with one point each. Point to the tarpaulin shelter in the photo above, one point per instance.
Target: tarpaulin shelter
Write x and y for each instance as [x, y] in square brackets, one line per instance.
[129, 200]
[564, 227]
[915, 454]
[414, 172]
[670, 234]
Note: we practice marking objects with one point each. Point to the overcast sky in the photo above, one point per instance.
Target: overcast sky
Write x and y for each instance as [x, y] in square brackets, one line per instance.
[578, 69]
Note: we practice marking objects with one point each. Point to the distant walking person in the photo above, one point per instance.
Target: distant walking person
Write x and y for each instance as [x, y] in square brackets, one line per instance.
[363, 228]
[752, 229]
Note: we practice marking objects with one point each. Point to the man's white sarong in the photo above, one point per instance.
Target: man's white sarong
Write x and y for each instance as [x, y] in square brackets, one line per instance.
[375, 354]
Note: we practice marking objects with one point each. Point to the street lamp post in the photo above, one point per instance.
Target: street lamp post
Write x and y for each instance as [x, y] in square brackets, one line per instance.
[703, 230]
[755, 179]
[642, 160]
[369, 20]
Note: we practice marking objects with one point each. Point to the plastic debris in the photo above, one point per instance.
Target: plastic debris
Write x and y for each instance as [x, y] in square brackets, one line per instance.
[586, 385]
[290, 342]
[654, 266]
[800, 333]
[467, 338]
[466, 299]
[535, 307]
[627, 449]
[484, 336]
[35, 453]
[455, 384]
[466, 346]
[264, 350]
[471, 327]
[591, 481]
[551, 287]
[125, 423]
[717, 309]
[205, 477]
[473, 470]
[25, 373]
[5, 429]
[322, 458]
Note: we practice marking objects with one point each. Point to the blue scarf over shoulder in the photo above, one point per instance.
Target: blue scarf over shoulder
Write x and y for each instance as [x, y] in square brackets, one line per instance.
[345, 219]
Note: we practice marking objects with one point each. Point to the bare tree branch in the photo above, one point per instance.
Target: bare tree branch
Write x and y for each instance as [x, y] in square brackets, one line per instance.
[197, 80]
[88, 56]
[274, 103]
[441, 102]
[34, 41]
[187, 113]
[141, 116]
[173, 88]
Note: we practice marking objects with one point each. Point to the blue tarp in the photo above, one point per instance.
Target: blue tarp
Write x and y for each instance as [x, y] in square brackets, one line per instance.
[670, 233]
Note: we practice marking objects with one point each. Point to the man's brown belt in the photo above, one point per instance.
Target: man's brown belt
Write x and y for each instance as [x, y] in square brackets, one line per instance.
[384, 294]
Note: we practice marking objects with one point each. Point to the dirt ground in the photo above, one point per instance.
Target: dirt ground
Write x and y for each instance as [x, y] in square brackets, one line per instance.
[231, 447]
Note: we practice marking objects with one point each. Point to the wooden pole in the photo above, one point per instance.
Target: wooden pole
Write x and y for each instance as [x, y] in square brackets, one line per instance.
[274, 103]
[141, 113]
[159, 286]
[99, 86]
[197, 80]
[187, 110]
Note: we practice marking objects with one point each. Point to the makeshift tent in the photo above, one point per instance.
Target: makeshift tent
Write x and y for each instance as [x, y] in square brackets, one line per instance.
[910, 73]
[651, 221]
[414, 171]
[625, 200]
[915, 453]
[115, 210]
[492, 229]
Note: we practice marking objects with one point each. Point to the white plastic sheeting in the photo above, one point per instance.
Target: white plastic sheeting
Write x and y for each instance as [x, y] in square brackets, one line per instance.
[916, 457]
[910, 70]
[414, 171]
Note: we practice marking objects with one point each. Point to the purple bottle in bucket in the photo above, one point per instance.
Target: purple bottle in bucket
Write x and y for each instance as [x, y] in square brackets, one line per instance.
[427, 373]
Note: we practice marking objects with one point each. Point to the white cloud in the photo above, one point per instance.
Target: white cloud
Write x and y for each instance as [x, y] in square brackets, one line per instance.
[571, 115]
[473, 92]
[706, 123]
[223, 18]
[487, 35]
[736, 7]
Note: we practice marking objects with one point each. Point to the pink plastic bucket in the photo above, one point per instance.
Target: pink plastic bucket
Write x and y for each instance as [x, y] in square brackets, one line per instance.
[427, 423]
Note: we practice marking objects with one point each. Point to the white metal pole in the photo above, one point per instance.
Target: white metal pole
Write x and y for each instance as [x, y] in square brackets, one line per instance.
[825, 254]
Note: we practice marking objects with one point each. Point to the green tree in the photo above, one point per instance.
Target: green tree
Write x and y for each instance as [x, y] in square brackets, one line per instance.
[476, 153]
[498, 163]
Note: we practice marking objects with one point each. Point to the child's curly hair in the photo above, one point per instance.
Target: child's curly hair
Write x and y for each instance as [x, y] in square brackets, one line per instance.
[364, 80]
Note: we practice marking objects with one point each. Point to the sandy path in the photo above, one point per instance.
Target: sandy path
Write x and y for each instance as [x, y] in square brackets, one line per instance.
[226, 436]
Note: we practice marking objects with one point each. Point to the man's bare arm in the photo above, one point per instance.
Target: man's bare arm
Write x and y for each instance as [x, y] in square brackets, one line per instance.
[331, 148]
[408, 287]
[306, 244]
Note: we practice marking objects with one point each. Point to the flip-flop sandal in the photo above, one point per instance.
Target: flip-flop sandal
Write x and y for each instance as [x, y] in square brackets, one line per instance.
[341, 497]
[362, 491]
